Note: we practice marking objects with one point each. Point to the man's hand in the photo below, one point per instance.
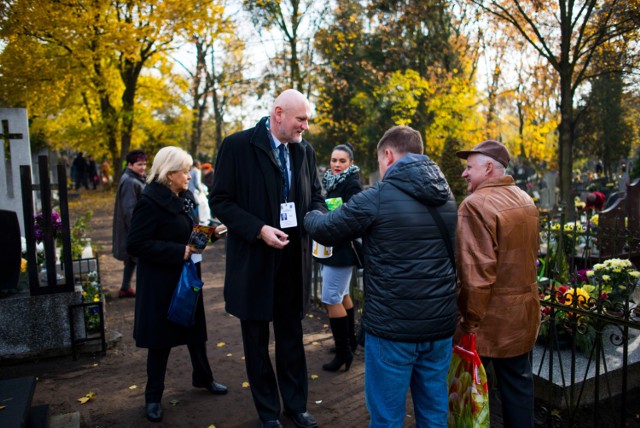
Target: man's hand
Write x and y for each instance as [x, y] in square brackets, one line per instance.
[274, 237]
[220, 231]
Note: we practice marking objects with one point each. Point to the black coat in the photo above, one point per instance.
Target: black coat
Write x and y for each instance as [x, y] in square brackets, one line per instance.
[159, 232]
[343, 255]
[410, 282]
[129, 192]
[246, 196]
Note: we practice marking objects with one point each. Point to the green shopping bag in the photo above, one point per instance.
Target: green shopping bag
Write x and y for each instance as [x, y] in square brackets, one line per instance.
[468, 387]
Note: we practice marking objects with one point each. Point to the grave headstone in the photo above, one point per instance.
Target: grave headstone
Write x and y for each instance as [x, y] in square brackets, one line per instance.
[548, 198]
[15, 150]
[619, 226]
[10, 252]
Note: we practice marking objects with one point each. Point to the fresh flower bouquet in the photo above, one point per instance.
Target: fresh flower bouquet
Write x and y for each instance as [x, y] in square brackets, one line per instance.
[606, 286]
[91, 293]
[468, 387]
[38, 225]
[567, 320]
[617, 277]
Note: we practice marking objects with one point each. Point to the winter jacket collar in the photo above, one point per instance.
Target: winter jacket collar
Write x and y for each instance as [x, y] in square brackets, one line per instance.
[130, 174]
[164, 197]
[505, 180]
[419, 177]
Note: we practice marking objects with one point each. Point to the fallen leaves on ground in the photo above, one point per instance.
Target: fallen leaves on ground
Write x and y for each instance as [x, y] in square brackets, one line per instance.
[174, 402]
[220, 344]
[245, 384]
[133, 386]
[314, 376]
[87, 397]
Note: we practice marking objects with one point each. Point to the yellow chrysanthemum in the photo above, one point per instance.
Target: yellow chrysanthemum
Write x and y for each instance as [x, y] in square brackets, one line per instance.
[583, 296]
[23, 265]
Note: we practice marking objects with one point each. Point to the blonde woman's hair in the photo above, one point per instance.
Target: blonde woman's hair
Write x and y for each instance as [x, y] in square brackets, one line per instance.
[168, 159]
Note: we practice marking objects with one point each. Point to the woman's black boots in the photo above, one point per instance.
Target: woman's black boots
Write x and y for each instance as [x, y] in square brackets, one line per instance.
[353, 342]
[340, 330]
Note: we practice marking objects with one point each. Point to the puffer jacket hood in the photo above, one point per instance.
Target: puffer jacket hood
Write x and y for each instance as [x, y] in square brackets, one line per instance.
[419, 177]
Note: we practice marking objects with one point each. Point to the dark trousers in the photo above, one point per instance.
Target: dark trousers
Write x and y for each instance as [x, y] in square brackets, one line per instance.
[157, 359]
[127, 274]
[291, 365]
[515, 384]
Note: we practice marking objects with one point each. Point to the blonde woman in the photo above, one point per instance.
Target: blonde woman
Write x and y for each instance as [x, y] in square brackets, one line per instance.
[160, 228]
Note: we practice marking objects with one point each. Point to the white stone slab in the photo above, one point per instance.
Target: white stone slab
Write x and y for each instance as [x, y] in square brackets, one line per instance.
[19, 153]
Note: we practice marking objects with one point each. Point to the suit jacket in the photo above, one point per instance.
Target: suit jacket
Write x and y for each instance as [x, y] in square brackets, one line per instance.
[246, 195]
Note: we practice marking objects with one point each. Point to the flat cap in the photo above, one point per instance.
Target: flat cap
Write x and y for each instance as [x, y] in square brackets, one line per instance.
[491, 148]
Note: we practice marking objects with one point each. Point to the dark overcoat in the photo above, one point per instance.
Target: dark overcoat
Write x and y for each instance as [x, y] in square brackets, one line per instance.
[129, 193]
[246, 195]
[160, 230]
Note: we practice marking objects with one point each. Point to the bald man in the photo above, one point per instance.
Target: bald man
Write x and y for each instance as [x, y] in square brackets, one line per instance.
[265, 182]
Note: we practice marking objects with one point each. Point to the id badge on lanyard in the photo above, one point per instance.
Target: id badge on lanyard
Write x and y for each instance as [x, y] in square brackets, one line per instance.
[288, 215]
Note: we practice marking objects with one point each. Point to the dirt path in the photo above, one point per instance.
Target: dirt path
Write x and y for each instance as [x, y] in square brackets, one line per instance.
[118, 379]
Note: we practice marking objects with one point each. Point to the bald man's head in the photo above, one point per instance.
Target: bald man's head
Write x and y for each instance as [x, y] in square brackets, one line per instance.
[290, 116]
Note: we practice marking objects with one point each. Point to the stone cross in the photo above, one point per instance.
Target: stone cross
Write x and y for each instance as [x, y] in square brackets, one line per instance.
[15, 151]
[7, 137]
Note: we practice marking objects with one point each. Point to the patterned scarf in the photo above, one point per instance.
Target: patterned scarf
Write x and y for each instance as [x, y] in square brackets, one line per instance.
[330, 180]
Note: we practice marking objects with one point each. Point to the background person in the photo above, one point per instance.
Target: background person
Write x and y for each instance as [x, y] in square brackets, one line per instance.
[410, 312]
[128, 194]
[160, 229]
[80, 170]
[260, 174]
[105, 173]
[340, 181]
[498, 291]
[207, 176]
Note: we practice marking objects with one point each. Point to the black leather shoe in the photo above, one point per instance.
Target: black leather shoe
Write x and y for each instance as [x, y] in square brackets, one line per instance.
[302, 420]
[213, 387]
[271, 424]
[154, 412]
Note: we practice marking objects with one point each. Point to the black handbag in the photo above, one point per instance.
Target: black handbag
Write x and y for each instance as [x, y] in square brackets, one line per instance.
[184, 302]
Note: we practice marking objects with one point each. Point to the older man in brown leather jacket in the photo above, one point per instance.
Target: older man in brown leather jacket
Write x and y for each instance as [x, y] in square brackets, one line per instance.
[497, 245]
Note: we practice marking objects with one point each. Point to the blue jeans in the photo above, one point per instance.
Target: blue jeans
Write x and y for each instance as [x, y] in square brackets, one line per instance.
[392, 367]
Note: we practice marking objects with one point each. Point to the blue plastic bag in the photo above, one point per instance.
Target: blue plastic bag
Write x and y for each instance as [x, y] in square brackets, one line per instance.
[185, 297]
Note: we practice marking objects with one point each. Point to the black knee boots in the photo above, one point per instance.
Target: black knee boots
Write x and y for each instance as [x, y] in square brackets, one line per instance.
[340, 330]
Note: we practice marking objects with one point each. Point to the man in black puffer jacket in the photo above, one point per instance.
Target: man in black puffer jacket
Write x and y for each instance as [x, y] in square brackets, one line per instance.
[410, 311]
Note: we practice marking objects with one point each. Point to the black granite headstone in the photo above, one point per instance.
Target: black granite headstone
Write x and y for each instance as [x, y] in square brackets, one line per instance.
[10, 251]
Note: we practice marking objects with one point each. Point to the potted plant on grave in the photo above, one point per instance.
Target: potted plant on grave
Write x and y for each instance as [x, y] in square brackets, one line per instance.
[604, 289]
[569, 322]
[618, 278]
[91, 293]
